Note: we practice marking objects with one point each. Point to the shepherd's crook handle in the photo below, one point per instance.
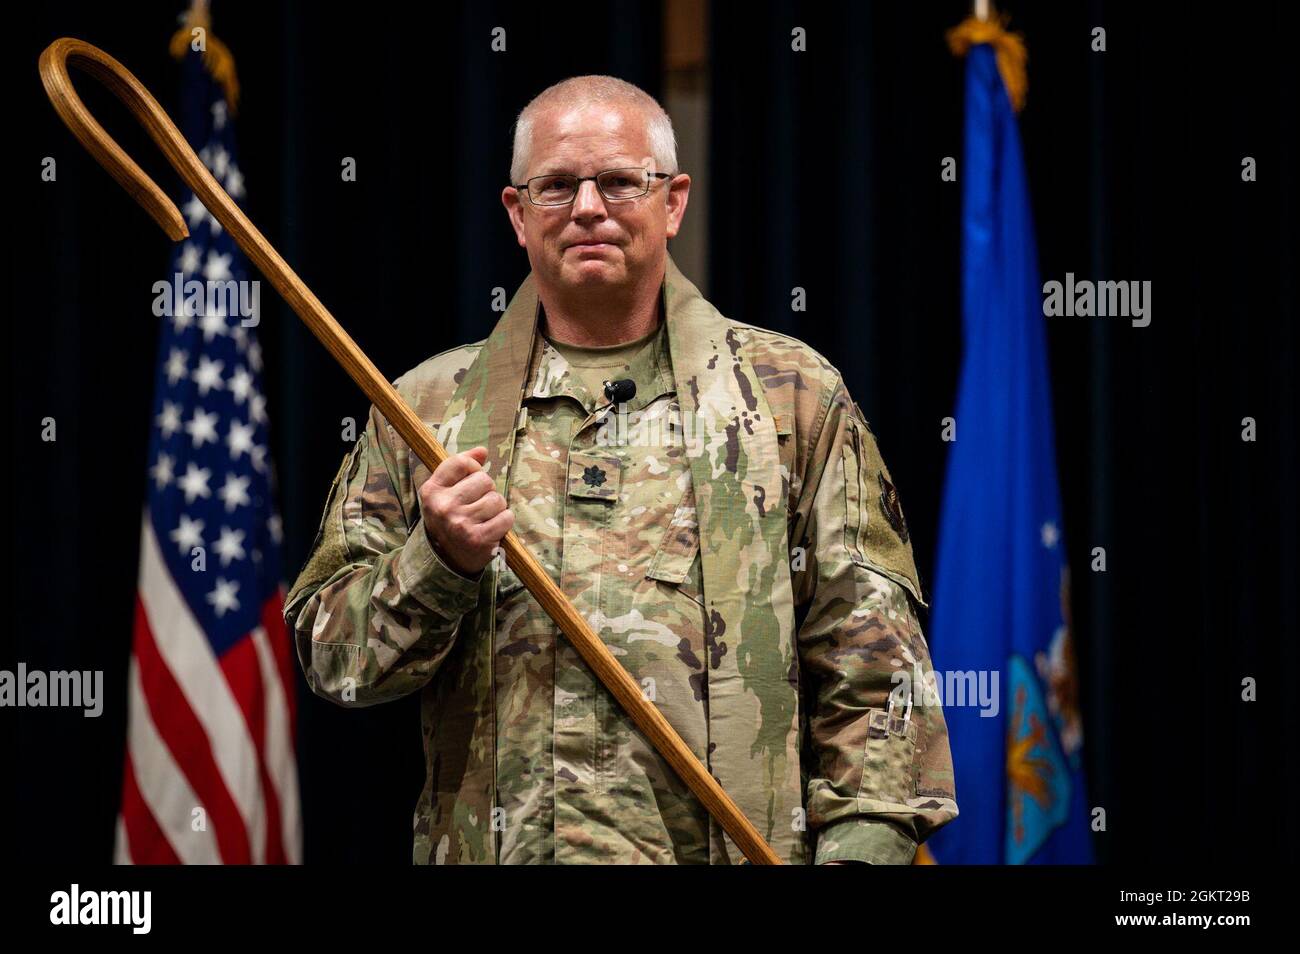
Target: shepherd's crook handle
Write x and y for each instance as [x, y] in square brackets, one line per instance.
[58, 86]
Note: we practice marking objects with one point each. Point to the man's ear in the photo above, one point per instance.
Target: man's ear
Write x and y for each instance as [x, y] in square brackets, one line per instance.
[515, 211]
[679, 191]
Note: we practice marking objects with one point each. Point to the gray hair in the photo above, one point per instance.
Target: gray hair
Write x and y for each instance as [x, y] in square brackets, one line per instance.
[588, 90]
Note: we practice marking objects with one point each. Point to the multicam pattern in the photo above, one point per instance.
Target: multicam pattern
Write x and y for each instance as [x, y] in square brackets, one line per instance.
[759, 491]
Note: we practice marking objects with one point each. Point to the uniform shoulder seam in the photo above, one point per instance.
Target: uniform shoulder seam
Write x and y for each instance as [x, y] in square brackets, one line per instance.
[463, 347]
[791, 338]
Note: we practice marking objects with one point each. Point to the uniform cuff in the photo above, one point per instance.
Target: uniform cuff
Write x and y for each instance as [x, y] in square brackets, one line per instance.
[866, 840]
[430, 581]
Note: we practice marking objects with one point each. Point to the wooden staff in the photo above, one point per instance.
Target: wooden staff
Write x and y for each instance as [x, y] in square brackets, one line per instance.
[58, 86]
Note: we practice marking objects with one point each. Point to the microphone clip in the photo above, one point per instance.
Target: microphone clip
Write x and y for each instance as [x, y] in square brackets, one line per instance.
[620, 391]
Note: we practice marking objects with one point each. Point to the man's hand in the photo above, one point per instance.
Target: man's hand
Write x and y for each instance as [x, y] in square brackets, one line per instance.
[464, 515]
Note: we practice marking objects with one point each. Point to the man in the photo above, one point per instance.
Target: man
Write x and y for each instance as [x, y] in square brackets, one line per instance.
[734, 482]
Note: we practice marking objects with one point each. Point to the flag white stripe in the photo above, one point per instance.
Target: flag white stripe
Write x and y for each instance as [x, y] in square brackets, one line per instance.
[162, 784]
[188, 655]
[280, 762]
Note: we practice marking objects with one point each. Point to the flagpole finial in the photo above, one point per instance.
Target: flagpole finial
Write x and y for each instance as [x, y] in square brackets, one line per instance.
[217, 58]
[1009, 48]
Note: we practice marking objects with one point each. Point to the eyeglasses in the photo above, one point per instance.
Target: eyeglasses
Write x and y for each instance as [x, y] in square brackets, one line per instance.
[614, 184]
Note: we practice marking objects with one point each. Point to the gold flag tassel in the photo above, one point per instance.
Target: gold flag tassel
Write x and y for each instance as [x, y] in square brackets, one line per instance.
[1008, 47]
[217, 58]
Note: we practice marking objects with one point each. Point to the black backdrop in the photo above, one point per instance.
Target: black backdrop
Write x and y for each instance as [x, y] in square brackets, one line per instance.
[825, 171]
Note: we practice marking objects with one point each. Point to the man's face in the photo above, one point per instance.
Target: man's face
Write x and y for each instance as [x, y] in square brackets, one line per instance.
[595, 242]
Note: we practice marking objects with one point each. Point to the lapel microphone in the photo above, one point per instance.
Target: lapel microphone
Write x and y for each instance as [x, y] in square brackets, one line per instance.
[621, 391]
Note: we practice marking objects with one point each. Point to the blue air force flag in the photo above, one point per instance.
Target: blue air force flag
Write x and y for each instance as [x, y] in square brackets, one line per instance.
[1001, 607]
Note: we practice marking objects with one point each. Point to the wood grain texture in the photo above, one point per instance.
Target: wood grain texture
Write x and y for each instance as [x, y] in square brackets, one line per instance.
[54, 63]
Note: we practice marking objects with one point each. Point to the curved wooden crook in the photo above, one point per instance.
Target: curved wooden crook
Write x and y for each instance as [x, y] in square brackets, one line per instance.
[54, 64]
[58, 86]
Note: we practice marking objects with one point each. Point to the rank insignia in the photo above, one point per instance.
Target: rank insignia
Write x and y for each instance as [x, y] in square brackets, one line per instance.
[892, 508]
[593, 476]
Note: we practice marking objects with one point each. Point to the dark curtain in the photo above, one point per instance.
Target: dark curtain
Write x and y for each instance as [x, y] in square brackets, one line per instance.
[825, 175]
[406, 258]
[826, 170]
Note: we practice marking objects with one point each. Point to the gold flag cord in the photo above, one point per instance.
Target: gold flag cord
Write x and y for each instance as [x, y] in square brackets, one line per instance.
[217, 58]
[1009, 48]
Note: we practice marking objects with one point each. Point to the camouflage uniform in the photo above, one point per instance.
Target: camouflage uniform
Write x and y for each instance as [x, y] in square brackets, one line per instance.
[687, 530]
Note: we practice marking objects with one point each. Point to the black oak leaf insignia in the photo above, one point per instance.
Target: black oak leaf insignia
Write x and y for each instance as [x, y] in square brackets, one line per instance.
[593, 476]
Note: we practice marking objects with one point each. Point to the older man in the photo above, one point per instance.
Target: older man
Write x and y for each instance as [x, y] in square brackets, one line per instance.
[690, 482]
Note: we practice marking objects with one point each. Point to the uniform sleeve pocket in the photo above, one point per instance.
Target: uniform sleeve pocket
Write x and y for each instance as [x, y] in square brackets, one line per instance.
[855, 516]
[889, 758]
[340, 489]
[875, 530]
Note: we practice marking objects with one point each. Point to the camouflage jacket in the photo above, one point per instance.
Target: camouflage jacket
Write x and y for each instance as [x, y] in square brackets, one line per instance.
[764, 494]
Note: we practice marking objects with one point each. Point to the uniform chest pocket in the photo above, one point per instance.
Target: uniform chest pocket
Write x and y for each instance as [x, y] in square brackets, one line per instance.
[677, 561]
[593, 477]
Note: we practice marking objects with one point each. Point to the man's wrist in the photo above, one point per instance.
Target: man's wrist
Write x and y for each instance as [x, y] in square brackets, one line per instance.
[446, 560]
[427, 577]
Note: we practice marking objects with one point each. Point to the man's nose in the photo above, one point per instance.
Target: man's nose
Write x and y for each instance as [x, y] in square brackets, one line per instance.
[588, 203]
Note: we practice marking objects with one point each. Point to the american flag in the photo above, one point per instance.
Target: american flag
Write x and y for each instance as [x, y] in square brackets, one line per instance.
[210, 773]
